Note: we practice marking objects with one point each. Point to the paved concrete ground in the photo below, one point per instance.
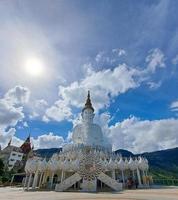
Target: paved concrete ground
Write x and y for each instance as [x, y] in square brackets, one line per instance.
[142, 194]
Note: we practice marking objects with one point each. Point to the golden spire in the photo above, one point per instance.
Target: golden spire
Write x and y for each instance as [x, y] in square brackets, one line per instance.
[88, 103]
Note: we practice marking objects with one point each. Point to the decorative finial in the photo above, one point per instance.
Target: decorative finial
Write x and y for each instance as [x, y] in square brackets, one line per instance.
[9, 143]
[88, 94]
[29, 135]
[26, 146]
[88, 103]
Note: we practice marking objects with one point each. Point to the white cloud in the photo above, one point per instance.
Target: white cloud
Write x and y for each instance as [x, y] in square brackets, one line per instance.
[48, 141]
[102, 84]
[119, 52]
[58, 112]
[154, 85]
[103, 120]
[25, 124]
[43, 141]
[140, 136]
[88, 69]
[9, 115]
[175, 60]
[38, 108]
[23, 40]
[22, 36]
[11, 112]
[100, 56]
[41, 103]
[18, 95]
[155, 59]
[109, 57]
[114, 81]
[174, 106]
[69, 137]
[6, 136]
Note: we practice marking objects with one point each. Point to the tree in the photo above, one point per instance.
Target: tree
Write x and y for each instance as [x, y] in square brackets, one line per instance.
[1, 167]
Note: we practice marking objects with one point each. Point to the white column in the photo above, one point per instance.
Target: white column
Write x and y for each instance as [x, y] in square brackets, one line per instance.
[114, 174]
[139, 178]
[35, 180]
[123, 178]
[58, 177]
[52, 176]
[133, 174]
[101, 184]
[44, 177]
[25, 183]
[29, 181]
[12, 179]
[143, 177]
[41, 176]
[62, 176]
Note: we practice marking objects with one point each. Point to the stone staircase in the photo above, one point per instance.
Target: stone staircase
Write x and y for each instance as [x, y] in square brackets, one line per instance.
[110, 182]
[67, 183]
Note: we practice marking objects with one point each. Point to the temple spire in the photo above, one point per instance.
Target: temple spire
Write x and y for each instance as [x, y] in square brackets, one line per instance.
[88, 103]
[88, 96]
[9, 143]
[26, 146]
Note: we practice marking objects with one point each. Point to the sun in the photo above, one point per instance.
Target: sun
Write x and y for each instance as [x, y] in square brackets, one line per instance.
[34, 67]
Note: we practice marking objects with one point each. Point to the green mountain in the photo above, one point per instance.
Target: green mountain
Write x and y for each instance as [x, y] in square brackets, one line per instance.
[47, 152]
[163, 164]
[124, 153]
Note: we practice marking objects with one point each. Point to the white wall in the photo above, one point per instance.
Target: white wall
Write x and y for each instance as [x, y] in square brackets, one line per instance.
[14, 156]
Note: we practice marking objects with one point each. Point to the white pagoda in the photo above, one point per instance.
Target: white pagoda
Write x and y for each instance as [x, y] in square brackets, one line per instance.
[88, 164]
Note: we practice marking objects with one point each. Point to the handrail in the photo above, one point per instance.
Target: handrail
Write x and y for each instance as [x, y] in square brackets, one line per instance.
[164, 181]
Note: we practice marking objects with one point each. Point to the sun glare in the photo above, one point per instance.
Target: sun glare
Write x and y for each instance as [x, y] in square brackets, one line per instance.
[34, 67]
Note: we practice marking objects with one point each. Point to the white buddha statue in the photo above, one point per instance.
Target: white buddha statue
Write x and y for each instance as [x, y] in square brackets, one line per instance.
[87, 132]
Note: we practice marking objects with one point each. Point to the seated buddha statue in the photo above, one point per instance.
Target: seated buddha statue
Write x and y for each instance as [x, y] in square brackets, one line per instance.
[88, 133]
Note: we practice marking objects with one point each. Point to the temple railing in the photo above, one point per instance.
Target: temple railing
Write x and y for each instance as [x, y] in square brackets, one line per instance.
[166, 182]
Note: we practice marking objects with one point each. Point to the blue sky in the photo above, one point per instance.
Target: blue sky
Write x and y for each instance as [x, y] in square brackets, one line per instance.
[125, 52]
